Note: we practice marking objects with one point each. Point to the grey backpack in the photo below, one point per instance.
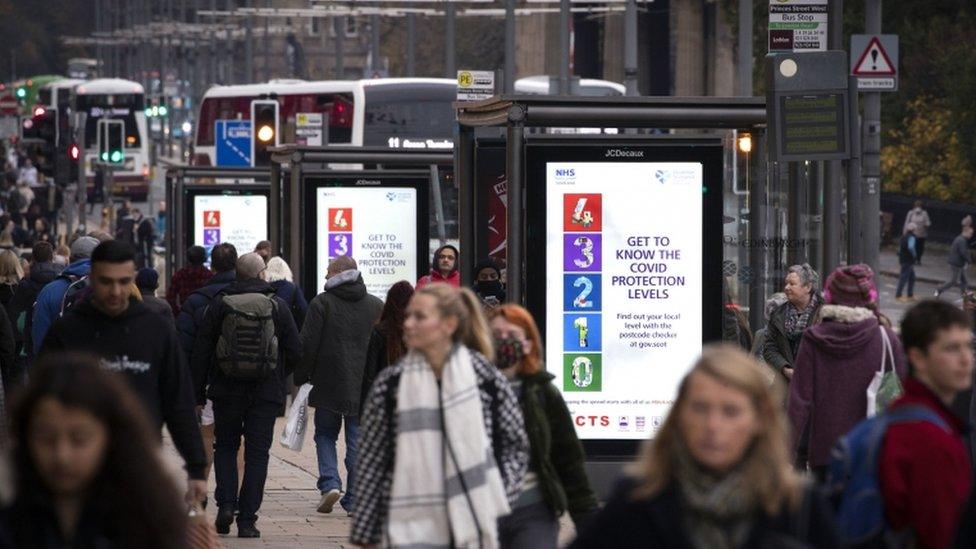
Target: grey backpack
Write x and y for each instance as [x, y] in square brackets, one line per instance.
[248, 346]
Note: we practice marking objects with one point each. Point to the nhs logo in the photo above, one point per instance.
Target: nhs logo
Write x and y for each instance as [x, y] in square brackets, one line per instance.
[564, 176]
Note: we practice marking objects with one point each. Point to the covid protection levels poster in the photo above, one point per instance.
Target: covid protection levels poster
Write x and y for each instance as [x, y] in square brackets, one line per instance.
[624, 292]
[376, 226]
[241, 220]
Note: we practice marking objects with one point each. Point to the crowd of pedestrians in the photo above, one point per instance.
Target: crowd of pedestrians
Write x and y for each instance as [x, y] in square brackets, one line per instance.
[455, 435]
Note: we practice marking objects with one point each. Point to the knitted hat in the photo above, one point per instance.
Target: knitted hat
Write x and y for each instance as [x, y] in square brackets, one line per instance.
[250, 266]
[852, 285]
[83, 247]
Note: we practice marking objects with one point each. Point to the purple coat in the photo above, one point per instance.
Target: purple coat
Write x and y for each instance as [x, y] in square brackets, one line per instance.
[835, 363]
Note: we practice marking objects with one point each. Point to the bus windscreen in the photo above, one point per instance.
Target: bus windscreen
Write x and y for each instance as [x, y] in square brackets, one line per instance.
[409, 116]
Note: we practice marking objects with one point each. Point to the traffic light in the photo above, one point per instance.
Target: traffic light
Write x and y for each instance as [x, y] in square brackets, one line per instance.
[21, 94]
[111, 141]
[264, 130]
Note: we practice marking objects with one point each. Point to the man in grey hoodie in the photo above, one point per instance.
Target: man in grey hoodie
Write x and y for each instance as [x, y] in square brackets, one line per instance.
[920, 218]
[958, 259]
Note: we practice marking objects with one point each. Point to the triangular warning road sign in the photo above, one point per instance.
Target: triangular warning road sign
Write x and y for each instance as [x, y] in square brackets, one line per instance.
[874, 61]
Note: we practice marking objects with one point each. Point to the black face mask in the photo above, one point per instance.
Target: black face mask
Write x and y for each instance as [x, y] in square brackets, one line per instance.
[508, 352]
[494, 288]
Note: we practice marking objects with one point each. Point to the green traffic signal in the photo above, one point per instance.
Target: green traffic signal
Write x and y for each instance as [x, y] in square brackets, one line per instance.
[117, 156]
[163, 110]
[21, 93]
[149, 112]
[105, 156]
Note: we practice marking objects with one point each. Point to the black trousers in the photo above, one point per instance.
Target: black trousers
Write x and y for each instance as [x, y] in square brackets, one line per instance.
[254, 420]
[919, 250]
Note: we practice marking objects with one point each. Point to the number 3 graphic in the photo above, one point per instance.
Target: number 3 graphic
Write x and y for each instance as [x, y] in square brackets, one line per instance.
[342, 242]
[586, 251]
[581, 300]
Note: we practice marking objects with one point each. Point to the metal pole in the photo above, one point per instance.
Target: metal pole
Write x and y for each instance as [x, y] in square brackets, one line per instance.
[563, 47]
[745, 48]
[374, 44]
[340, 31]
[411, 44]
[832, 198]
[450, 63]
[758, 211]
[229, 45]
[213, 44]
[435, 188]
[630, 48]
[509, 48]
[267, 46]
[98, 44]
[514, 164]
[464, 172]
[871, 153]
[855, 228]
[794, 209]
[249, 48]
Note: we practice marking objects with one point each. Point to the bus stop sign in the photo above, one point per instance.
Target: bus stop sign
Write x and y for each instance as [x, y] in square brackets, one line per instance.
[232, 140]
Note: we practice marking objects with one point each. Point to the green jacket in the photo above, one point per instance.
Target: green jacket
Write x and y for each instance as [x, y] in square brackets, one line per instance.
[556, 454]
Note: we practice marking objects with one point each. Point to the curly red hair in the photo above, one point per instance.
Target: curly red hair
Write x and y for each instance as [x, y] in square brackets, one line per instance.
[519, 316]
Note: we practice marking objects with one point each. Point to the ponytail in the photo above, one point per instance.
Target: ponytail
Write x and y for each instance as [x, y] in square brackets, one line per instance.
[473, 331]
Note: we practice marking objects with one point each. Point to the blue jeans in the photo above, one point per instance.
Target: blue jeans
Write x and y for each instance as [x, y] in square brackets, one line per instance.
[907, 277]
[327, 424]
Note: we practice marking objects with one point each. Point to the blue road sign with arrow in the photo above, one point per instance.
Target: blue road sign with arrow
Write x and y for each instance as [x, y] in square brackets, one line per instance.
[232, 139]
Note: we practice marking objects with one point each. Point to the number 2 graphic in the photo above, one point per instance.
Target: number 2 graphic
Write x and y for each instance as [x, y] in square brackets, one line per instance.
[581, 300]
[586, 251]
[342, 242]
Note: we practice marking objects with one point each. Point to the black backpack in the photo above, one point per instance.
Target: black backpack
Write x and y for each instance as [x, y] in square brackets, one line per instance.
[248, 344]
[78, 288]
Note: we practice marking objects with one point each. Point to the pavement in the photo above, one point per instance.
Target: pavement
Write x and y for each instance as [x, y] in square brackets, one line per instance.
[932, 273]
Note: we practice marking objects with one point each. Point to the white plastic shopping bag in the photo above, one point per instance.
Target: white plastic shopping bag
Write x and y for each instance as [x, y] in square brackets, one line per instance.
[885, 387]
[294, 434]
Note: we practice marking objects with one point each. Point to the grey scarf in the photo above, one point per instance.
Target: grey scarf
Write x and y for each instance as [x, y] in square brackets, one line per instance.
[718, 511]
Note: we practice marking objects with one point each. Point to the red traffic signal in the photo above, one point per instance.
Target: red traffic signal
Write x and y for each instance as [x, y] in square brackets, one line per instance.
[39, 111]
[74, 152]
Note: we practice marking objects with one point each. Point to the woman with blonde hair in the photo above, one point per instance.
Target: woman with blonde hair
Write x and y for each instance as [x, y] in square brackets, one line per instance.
[718, 474]
[279, 276]
[556, 481]
[439, 479]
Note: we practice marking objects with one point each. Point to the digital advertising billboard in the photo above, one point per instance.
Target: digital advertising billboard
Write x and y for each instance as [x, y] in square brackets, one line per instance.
[235, 214]
[629, 241]
[379, 220]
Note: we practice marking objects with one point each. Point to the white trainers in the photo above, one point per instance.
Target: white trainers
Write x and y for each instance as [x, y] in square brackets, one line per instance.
[328, 501]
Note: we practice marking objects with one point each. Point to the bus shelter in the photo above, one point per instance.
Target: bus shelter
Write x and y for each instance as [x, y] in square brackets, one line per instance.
[380, 206]
[616, 241]
[212, 205]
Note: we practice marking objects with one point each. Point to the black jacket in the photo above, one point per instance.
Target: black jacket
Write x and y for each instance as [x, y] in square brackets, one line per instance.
[31, 521]
[375, 361]
[143, 347]
[205, 370]
[659, 522]
[778, 351]
[159, 306]
[335, 338]
[25, 296]
[294, 297]
[193, 308]
[556, 454]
